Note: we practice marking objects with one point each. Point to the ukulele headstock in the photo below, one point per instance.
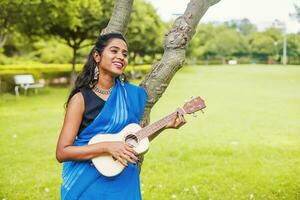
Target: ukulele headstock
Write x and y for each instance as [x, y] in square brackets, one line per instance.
[194, 105]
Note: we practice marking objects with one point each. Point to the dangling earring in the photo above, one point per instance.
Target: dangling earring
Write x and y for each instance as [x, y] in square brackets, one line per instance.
[122, 78]
[96, 72]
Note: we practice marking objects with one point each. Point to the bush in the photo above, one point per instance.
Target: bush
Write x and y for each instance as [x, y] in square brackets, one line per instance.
[51, 51]
[6, 83]
[53, 74]
[244, 60]
[5, 60]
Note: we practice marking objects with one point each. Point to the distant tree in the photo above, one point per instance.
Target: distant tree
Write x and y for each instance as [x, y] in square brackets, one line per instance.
[8, 15]
[215, 41]
[229, 42]
[201, 46]
[293, 48]
[20, 22]
[262, 46]
[145, 30]
[243, 26]
[74, 22]
[78, 23]
[296, 14]
[274, 33]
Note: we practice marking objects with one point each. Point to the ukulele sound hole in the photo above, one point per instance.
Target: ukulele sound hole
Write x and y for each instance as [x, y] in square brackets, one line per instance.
[131, 140]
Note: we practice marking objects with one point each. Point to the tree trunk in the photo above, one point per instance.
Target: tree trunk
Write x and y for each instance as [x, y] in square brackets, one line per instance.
[120, 17]
[176, 41]
[73, 71]
[3, 39]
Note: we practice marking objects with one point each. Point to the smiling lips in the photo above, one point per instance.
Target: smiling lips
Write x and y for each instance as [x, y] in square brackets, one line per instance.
[118, 64]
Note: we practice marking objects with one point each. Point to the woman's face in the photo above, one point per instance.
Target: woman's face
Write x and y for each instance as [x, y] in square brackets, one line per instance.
[114, 58]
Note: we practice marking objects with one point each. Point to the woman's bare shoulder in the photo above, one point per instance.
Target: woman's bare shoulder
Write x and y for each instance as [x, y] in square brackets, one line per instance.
[76, 102]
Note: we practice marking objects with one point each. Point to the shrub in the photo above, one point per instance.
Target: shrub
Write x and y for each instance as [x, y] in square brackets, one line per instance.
[53, 74]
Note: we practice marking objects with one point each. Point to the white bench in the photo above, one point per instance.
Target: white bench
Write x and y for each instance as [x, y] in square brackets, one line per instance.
[26, 82]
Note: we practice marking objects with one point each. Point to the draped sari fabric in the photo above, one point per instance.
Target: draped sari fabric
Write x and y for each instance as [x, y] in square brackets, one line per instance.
[81, 180]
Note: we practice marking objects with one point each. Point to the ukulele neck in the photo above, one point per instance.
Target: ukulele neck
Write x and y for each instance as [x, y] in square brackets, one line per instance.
[156, 126]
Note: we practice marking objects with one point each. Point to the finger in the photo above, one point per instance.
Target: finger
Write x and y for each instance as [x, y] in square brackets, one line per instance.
[175, 120]
[128, 148]
[171, 123]
[181, 118]
[131, 160]
[131, 155]
[183, 121]
[123, 162]
[178, 122]
[124, 156]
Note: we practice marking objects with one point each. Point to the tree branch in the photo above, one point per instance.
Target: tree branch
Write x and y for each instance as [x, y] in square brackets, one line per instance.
[176, 41]
[120, 17]
[3, 39]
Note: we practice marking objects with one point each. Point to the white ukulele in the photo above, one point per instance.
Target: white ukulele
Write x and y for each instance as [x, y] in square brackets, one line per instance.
[137, 137]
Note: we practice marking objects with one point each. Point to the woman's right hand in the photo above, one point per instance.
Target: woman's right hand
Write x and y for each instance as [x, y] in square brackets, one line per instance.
[121, 152]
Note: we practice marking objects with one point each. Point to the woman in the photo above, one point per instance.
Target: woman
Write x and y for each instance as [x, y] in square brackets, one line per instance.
[101, 102]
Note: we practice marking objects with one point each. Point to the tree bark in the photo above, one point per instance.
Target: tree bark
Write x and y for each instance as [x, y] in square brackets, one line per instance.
[120, 17]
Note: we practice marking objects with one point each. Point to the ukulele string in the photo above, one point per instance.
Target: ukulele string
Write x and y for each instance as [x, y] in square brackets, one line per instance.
[144, 130]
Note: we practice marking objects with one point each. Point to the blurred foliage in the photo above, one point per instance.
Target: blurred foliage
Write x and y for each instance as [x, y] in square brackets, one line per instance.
[51, 51]
[54, 74]
[77, 24]
[145, 31]
[296, 14]
[56, 31]
[23, 68]
[239, 40]
[243, 26]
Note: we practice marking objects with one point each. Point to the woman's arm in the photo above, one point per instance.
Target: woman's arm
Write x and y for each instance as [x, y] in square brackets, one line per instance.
[65, 149]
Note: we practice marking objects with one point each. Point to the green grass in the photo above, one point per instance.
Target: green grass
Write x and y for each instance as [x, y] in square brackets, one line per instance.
[245, 146]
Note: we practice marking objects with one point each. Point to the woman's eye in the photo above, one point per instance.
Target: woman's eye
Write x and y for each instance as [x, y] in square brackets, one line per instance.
[114, 51]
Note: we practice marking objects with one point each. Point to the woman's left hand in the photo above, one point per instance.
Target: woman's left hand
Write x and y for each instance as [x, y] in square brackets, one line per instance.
[177, 122]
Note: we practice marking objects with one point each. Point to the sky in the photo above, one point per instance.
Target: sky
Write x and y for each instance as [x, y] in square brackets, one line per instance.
[260, 12]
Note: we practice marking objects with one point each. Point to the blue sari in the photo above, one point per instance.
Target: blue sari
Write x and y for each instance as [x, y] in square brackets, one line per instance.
[81, 180]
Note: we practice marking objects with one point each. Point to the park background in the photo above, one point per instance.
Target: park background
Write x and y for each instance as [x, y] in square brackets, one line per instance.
[245, 146]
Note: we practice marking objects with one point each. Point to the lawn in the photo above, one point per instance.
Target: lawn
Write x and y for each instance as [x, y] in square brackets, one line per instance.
[245, 146]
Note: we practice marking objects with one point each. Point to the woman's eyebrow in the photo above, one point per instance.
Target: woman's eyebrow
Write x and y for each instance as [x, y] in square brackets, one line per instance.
[118, 48]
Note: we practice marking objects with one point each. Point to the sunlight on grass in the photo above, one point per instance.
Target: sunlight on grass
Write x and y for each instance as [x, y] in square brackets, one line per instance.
[245, 146]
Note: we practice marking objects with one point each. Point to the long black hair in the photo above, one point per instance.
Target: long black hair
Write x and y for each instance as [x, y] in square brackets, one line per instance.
[86, 76]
